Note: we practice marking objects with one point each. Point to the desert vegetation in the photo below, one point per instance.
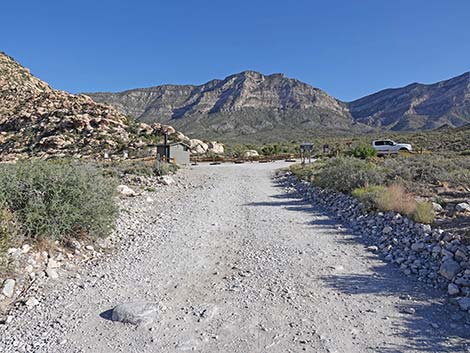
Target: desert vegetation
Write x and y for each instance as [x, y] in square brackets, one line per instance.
[390, 184]
[54, 200]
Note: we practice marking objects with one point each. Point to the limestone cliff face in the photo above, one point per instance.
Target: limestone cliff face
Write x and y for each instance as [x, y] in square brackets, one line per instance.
[241, 104]
[417, 106]
[246, 90]
[38, 120]
[252, 103]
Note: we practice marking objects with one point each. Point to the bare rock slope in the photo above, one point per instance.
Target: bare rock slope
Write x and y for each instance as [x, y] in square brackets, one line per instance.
[417, 106]
[275, 106]
[241, 104]
[36, 119]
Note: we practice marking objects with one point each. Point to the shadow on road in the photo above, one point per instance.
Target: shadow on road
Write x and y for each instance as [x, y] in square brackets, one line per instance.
[430, 305]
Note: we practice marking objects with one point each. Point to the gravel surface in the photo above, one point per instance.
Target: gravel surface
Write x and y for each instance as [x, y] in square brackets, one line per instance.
[236, 263]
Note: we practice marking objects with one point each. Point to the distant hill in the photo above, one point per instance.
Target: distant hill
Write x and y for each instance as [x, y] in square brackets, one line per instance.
[38, 120]
[250, 106]
[245, 105]
[417, 106]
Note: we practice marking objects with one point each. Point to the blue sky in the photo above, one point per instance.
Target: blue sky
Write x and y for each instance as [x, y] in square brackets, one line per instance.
[348, 48]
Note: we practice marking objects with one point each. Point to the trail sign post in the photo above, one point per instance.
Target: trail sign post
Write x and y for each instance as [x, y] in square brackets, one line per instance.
[306, 151]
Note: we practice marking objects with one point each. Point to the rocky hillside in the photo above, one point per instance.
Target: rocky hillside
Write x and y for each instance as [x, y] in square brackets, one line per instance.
[417, 106]
[253, 105]
[38, 120]
[247, 103]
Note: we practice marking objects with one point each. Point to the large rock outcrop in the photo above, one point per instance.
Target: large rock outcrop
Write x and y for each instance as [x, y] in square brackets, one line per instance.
[38, 120]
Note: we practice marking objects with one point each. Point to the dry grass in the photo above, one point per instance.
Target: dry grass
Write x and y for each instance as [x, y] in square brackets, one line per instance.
[395, 198]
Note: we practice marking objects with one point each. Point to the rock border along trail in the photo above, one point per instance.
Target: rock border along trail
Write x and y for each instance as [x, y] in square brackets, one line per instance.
[236, 264]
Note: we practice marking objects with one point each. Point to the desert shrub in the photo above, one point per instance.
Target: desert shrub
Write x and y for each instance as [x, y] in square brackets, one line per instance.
[362, 151]
[346, 174]
[120, 168]
[395, 198]
[58, 199]
[424, 213]
[9, 234]
[164, 168]
[428, 169]
[368, 195]
[307, 171]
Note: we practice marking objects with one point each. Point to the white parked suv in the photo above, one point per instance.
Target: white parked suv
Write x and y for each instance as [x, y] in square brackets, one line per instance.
[390, 147]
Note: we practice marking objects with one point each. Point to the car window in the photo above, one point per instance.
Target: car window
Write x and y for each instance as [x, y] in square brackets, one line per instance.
[379, 143]
[389, 143]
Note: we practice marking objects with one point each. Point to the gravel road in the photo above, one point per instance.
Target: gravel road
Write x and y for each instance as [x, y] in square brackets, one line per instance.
[237, 263]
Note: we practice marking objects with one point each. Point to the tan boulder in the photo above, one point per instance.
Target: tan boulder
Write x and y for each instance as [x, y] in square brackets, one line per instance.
[216, 147]
[250, 154]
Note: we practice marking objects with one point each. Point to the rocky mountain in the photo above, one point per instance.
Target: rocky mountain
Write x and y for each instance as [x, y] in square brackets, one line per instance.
[247, 103]
[256, 106]
[417, 106]
[38, 120]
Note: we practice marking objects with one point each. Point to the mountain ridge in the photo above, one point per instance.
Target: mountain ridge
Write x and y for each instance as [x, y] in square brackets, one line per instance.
[277, 97]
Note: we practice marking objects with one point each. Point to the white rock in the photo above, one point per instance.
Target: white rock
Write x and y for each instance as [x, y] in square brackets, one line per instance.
[52, 273]
[166, 180]
[449, 269]
[11, 251]
[453, 289]
[74, 244]
[32, 302]
[462, 207]
[387, 230]
[250, 153]
[25, 248]
[136, 313]
[89, 247]
[198, 146]
[464, 303]
[52, 264]
[126, 191]
[8, 289]
[437, 207]
[216, 147]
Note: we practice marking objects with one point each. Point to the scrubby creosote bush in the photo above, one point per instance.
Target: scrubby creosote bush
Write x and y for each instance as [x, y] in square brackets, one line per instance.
[371, 181]
[57, 199]
[428, 169]
[346, 174]
[8, 234]
[362, 151]
[143, 168]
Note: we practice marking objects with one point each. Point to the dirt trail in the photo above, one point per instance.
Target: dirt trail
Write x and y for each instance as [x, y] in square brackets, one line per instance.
[239, 265]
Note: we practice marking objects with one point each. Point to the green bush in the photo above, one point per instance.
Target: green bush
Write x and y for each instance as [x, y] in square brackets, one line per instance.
[424, 213]
[362, 151]
[368, 195]
[428, 169]
[306, 171]
[8, 234]
[346, 174]
[58, 199]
